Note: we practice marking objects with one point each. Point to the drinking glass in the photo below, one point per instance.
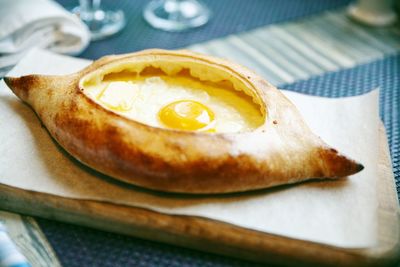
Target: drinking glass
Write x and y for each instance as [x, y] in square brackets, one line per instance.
[176, 15]
[101, 22]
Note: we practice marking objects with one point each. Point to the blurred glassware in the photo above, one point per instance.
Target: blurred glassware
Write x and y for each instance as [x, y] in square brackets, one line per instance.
[373, 12]
[176, 15]
[101, 23]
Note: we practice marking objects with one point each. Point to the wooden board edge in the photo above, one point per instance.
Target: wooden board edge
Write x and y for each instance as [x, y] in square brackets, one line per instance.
[193, 232]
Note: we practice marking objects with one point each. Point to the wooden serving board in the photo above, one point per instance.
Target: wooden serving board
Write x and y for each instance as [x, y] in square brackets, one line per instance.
[218, 237]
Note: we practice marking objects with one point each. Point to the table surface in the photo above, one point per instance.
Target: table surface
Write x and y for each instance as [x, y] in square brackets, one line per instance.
[342, 71]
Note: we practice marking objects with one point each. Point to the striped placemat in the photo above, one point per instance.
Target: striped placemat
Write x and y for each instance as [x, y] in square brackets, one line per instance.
[327, 55]
[294, 51]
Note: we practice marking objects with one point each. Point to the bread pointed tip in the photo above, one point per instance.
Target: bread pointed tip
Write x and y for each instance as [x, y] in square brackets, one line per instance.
[353, 167]
[20, 86]
[339, 165]
[10, 81]
[23, 86]
[359, 167]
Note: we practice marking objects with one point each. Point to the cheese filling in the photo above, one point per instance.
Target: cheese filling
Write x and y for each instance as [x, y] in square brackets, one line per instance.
[178, 103]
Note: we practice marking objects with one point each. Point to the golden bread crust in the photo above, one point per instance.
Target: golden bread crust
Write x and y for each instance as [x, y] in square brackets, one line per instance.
[283, 150]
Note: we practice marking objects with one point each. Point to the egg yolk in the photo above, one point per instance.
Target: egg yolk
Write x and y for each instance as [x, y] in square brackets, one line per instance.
[187, 115]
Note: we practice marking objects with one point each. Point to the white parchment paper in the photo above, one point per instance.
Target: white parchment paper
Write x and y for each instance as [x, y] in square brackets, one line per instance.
[341, 213]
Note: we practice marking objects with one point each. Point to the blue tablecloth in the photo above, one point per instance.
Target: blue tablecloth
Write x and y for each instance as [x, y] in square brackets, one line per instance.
[229, 16]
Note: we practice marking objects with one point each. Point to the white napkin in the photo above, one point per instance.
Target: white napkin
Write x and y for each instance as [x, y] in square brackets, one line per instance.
[25, 24]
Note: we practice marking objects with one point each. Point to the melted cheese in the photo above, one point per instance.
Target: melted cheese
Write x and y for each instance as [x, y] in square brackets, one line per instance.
[143, 98]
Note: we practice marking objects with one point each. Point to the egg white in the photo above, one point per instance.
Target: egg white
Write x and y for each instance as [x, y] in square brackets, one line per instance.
[142, 100]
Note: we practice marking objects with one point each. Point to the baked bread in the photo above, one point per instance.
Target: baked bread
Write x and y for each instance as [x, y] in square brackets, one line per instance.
[281, 150]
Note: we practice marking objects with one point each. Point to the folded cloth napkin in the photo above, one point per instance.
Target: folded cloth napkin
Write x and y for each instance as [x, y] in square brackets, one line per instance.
[9, 254]
[25, 24]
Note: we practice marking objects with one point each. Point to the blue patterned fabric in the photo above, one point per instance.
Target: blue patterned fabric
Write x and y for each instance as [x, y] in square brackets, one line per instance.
[229, 16]
[80, 246]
